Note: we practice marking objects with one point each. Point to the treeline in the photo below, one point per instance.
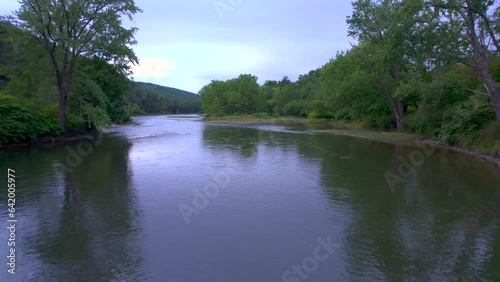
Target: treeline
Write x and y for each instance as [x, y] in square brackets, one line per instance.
[154, 98]
[430, 67]
[100, 93]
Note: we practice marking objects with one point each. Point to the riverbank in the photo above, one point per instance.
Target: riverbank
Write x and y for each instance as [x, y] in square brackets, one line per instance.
[52, 140]
[83, 135]
[356, 130]
[263, 120]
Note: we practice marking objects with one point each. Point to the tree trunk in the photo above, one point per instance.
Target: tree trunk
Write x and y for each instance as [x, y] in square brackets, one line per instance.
[399, 113]
[490, 84]
[64, 81]
[396, 104]
[63, 105]
[398, 110]
[480, 53]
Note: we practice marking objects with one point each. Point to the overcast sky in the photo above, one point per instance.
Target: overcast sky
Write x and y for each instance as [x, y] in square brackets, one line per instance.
[187, 43]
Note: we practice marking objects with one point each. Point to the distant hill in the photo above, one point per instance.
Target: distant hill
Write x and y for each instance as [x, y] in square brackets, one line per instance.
[153, 98]
[167, 91]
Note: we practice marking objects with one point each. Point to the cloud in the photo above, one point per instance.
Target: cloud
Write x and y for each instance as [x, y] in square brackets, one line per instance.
[191, 65]
[152, 68]
[185, 44]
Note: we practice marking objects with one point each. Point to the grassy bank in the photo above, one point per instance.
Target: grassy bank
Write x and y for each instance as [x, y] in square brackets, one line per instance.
[248, 119]
[334, 127]
[374, 135]
[482, 148]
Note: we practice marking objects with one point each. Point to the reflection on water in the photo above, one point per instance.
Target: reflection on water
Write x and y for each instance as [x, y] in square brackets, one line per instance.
[82, 224]
[116, 216]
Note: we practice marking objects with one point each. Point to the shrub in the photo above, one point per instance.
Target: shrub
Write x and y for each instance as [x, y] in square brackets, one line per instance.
[20, 122]
[489, 139]
[320, 115]
[312, 115]
[261, 115]
[135, 109]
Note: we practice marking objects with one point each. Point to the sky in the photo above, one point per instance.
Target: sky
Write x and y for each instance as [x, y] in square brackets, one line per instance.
[188, 43]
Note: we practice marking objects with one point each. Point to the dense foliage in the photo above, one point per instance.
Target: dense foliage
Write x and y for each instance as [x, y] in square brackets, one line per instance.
[20, 122]
[70, 30]
[101, 92]
[424, 66]
[239, 95]
[152, 98]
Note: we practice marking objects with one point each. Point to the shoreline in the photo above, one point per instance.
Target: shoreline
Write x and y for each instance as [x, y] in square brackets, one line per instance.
[262, 120]
[356, 131]
[91, 135]
[49, 141]
[337, 128]
[411, 141]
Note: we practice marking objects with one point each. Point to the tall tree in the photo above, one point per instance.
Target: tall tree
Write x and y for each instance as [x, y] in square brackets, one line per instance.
[285, 93]
[479, 24]
[394, 30]
[69, 29]
[25, 67]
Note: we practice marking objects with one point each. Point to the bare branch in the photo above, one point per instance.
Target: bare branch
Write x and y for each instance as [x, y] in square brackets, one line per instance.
[477, 92]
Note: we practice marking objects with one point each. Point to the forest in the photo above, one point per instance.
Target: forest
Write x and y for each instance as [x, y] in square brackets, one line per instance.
[422, 66]
[101, 91]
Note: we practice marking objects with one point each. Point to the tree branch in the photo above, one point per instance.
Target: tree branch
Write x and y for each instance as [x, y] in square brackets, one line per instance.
[477, 92]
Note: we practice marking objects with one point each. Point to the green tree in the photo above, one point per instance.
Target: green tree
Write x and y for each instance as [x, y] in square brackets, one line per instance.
[308, 86]
[242, 96]
[268, 91]
[348, 90]
[286, 92]
[25, 68]
[113, 84]
[236, 96]
[477, 22]
[213, 99]
[395, 32]
[71, 29]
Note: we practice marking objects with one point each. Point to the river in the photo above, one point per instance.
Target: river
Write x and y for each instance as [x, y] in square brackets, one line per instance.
[173, 198]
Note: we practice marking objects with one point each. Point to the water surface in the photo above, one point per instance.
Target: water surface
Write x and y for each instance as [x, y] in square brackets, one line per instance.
[275, 192]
